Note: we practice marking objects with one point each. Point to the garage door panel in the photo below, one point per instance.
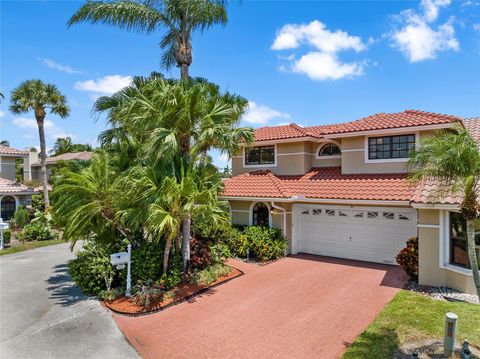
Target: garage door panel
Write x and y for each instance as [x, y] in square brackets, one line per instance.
[369, 234]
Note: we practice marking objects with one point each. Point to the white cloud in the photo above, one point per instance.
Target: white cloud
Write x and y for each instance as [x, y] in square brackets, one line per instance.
[106, 85]
[476, 27]
[323, 63]
[418, 39]
[52, 131]
[56, 66]
[261, 114]
[2, 113]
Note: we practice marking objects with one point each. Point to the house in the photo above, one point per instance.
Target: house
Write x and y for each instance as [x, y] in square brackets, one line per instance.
[342, 190]
[32, 168]
[12, 193]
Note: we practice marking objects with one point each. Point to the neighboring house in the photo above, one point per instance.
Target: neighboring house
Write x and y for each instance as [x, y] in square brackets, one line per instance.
[12, 194]
[343, 191]
[35, 168]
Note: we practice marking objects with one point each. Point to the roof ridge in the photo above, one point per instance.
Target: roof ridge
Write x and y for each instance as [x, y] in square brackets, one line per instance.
[434, 114]
[277, 183]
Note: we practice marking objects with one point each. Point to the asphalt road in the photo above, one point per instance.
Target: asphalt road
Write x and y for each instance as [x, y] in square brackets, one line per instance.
[44, 315]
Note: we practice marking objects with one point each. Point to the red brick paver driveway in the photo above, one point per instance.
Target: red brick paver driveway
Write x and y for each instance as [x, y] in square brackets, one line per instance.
[298, 307]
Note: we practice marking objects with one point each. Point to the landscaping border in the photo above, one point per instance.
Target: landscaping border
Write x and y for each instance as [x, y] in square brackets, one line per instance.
[220, 281]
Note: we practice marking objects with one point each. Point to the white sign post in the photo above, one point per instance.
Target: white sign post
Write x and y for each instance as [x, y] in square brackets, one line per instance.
[3, 227]
[119, 260]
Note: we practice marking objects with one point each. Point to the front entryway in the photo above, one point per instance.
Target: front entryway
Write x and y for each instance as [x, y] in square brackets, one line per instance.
[373, 234]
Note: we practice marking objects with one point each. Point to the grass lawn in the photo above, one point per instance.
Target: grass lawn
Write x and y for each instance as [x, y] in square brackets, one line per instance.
[410, 316]
[30, 245]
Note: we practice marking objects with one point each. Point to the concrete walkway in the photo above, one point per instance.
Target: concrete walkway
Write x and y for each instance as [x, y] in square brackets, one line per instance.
[299, 307]
[43, 315]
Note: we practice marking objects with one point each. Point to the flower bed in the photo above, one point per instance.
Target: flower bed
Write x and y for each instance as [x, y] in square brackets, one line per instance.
[183, 292]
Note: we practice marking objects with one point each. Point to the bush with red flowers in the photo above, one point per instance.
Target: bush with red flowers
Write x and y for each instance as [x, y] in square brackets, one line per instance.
[408, 258]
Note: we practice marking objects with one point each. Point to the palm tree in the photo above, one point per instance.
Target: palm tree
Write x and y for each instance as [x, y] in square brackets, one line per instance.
[5, 143]
[452, 160]
[177, 18]
[169, 116]
[61, 145]
[37, 96]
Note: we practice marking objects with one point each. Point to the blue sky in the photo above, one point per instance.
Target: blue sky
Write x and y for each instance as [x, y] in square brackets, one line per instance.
[310, 63]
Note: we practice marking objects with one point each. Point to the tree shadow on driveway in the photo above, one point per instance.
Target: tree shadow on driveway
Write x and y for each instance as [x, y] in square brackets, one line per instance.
[62, 288]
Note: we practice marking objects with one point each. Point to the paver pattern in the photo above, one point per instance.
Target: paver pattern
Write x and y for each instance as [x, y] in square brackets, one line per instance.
[299, 307]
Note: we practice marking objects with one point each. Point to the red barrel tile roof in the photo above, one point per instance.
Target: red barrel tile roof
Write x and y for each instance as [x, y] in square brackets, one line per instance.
[6, 150]
[11, 187]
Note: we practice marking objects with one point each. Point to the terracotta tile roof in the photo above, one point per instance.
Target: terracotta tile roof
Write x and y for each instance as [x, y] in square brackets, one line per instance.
[7, 186]
[473, 126]
[381, 121]
[69, 156]
[322, 183]
[432, 191]
[6, 150]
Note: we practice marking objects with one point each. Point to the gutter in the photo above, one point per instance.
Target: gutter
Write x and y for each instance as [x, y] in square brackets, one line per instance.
[284, 217]
[295, 199]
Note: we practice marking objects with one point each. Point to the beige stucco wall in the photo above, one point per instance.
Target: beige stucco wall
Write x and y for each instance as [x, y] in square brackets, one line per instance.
[7, 168]
[430, 272]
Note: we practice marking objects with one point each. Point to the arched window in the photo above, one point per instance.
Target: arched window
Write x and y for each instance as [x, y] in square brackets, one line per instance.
[8, 207]
[261, 215]
[330, 149]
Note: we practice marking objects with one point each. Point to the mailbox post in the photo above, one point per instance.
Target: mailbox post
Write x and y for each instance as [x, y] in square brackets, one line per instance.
[119, 260]
[3, 227]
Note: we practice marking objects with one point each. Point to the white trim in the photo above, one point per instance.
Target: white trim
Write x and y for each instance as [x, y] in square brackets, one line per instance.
[240, 210]
[17, 201]
[460, 270]
[450, 207]
[323, 143]
[295, 154]
[319, 200]
[284, 217]
[274, 164]
[334, 157]
[354, 150]
[428, 225]
[387, 132]
[250, 216]
[390, 160]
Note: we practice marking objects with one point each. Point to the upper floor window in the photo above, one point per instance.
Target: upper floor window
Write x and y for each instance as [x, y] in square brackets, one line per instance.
[390, 147]
[264, 155]
[330, 149]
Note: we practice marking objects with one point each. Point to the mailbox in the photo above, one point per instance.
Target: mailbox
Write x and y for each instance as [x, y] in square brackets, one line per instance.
[119, 258]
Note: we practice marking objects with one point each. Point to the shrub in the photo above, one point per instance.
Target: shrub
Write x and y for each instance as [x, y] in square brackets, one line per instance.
[38, 204]
[21, 217]
[36, 232]
[7, 235]
[91, 270]
[263, 243]
[147, 294]
[408, 258]
[147, 260]
[200, 255]
[110, 295]
[210, 274]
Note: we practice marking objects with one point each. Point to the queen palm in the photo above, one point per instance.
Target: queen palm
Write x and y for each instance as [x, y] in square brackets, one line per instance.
[39, 97]
[178, 19]
[451, 159]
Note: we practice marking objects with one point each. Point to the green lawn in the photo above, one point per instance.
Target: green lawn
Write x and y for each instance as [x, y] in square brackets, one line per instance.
[30, 245]
[410, 316]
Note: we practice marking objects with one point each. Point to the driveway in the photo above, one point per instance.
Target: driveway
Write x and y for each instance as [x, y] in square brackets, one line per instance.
[43, 315]
[299, 307]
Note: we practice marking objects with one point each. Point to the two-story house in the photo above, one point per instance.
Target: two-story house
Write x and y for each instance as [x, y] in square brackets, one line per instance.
[343, 191]
[12, 193]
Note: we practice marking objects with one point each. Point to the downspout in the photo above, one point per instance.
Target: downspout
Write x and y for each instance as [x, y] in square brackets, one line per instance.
[284, 220]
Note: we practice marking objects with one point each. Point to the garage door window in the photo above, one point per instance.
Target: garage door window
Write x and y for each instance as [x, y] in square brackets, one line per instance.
[261, 215]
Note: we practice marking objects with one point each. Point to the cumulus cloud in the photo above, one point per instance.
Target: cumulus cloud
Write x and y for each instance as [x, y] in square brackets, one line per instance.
[418, 38]
[323, 63]
[56, 66]
[52, 131]
[261, 114]
[106, 85]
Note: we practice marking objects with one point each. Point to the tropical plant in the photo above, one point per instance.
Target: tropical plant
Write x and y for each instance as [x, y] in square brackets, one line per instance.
[21, 217]
[5, 143]
[37, 96]
[35, 232]
[147, 293]
[210, 274]
[408, 258]
[177, 18]
[451, 160]
[65, 145]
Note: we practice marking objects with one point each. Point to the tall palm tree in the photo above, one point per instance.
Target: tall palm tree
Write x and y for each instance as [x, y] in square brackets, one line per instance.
[177, 18]
[5, 143]
[451, 159]
[169, 116]
[37, 96]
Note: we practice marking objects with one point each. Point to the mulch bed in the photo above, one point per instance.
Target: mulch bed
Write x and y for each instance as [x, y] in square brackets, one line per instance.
[183, 293]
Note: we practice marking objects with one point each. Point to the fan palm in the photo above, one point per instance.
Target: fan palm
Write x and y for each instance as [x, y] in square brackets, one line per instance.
[452, 159]
[37, 96]
[177, 18]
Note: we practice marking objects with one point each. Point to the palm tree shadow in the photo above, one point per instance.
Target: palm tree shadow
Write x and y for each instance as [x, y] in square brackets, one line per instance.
[386, 339]
[62, 288]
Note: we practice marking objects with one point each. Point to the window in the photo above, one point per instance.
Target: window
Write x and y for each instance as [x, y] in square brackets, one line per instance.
[330, 212]
[264, 155]
[317, 212]
[404, 217]
[372, 214]
[261, 215]
[7, 208]
[388, 215]
[458, 240]
[390, 147]
[342, 214]
[330, 149]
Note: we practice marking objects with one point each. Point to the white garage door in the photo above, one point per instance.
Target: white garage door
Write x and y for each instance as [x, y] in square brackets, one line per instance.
[371, 234]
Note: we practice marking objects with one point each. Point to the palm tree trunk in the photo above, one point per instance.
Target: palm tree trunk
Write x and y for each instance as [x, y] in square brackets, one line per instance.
[166, 254]
[472, 254]
[43, 160]
[186, 228]
[184, 72]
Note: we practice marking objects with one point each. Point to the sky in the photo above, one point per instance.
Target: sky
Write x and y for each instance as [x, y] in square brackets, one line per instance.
[311, 63]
